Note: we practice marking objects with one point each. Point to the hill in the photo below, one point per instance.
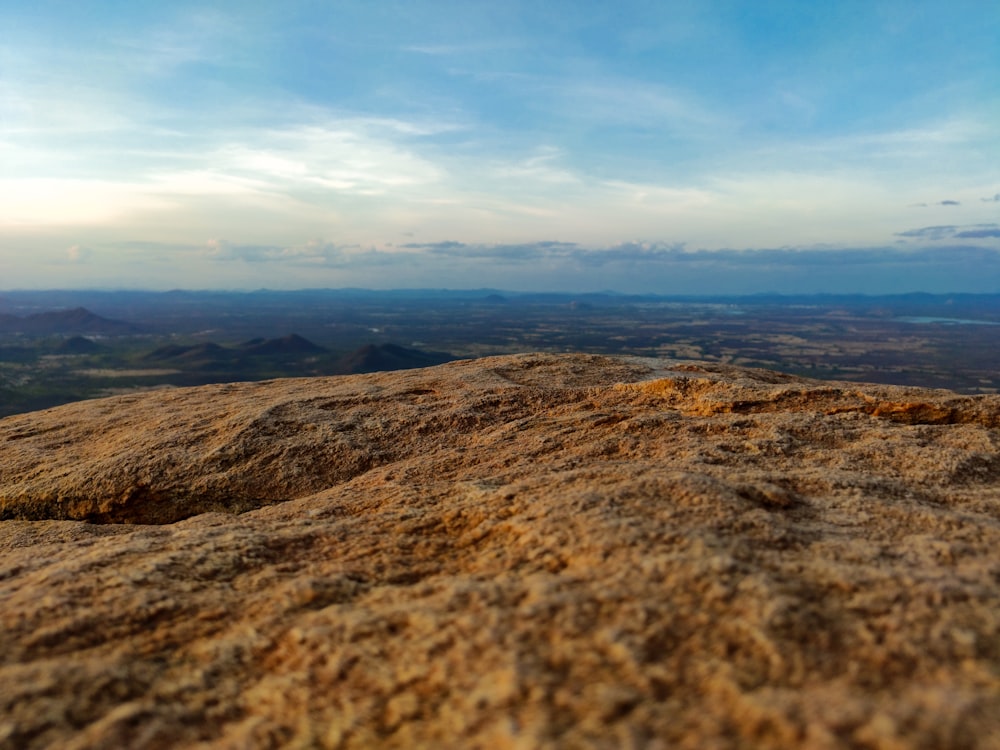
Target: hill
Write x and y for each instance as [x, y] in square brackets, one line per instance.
[290, 344]
[205, 351]
[522, 551]
[385, 357]
[76, 321]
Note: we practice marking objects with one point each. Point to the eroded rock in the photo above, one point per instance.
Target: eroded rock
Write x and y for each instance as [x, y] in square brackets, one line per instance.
[526, 551]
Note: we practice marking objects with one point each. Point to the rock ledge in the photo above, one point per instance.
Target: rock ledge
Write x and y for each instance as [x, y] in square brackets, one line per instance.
[524, 551]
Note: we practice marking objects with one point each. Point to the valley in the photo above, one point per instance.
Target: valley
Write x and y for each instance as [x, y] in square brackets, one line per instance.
[63, 346]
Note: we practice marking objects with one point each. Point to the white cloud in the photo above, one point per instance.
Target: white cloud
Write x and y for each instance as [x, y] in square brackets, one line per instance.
[314, 253]
[71, 202]
[77, 253]
[195, 36]
[88, 141]
[624, 100]
[334, 158]
[485, 46]
[925, 152]
[544, 167]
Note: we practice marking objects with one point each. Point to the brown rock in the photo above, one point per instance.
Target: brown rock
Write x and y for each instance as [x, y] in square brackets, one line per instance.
[525, 551]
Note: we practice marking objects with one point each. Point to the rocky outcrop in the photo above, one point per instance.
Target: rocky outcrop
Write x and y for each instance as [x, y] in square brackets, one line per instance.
[525, 551]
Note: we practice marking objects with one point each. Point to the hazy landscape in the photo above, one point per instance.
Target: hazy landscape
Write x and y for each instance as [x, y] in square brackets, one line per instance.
[57, 347]
[515, 376]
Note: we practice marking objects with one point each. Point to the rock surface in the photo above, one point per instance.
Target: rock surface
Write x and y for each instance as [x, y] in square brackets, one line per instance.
[518, 552]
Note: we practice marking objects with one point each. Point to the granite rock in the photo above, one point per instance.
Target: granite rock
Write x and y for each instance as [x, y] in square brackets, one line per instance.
[530, 551]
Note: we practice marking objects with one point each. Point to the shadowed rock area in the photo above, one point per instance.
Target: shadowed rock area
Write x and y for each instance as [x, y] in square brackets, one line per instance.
[533, 551]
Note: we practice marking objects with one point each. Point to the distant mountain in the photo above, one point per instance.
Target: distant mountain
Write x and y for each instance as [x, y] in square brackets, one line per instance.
[377, 358]
[208, 350]
[370, 358]
[76, 321]
[291, 344]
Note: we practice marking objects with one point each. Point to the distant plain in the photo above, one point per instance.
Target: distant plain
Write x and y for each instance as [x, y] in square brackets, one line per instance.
[63, 346]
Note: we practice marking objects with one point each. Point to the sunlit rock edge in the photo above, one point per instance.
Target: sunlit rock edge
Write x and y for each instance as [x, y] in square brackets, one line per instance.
[523, 551]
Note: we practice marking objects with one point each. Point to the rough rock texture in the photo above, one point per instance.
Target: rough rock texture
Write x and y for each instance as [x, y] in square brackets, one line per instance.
[522, 552]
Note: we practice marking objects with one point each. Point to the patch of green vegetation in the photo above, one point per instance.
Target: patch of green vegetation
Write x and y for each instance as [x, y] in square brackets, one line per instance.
[194, 339]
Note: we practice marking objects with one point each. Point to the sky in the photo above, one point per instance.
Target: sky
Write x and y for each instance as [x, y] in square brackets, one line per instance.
[711, 146]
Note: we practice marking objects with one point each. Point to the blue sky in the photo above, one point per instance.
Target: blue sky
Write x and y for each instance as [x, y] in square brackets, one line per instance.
[675, 147]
